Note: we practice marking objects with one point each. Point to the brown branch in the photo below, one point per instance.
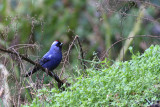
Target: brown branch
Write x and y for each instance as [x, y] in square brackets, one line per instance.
[60, 83]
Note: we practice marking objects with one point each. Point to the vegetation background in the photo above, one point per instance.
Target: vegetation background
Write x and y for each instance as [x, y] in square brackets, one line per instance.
[30, 26]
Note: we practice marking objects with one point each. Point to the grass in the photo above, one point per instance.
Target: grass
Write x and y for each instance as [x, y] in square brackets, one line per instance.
[128, 83]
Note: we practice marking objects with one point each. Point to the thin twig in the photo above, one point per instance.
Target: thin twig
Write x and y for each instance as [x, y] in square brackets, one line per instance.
[68, 52]
[24, 45]
[19, 93]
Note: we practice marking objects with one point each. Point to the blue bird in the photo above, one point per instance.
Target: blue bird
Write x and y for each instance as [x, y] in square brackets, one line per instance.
[51, 59]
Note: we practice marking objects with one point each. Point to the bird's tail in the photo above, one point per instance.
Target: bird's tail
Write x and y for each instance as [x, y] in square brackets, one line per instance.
[35, 69]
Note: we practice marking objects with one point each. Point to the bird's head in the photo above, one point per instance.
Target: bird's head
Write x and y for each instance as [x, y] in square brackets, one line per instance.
[56, 46]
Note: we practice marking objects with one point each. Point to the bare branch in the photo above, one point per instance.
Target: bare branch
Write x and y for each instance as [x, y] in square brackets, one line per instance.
[60, 83]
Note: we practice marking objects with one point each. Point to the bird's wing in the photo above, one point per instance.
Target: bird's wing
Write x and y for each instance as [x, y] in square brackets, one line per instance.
[45, 59]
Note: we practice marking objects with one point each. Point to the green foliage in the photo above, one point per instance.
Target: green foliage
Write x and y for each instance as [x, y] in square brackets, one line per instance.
[126, 83]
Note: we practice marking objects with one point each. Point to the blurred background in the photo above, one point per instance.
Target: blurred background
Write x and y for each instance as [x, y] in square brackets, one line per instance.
[30, 27]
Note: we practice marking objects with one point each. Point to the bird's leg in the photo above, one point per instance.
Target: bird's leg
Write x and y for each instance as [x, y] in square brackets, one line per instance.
[47, 71]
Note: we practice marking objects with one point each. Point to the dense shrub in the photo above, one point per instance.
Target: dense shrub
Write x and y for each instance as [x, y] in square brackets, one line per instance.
[128, 83]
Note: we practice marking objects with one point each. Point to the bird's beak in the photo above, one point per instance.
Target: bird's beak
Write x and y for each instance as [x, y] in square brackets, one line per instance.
[61, 44]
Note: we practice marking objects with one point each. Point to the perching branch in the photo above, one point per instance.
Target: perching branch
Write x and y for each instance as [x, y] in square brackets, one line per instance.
[60, 83]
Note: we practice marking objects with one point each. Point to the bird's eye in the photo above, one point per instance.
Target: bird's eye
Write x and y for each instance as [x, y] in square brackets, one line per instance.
[58, 44]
